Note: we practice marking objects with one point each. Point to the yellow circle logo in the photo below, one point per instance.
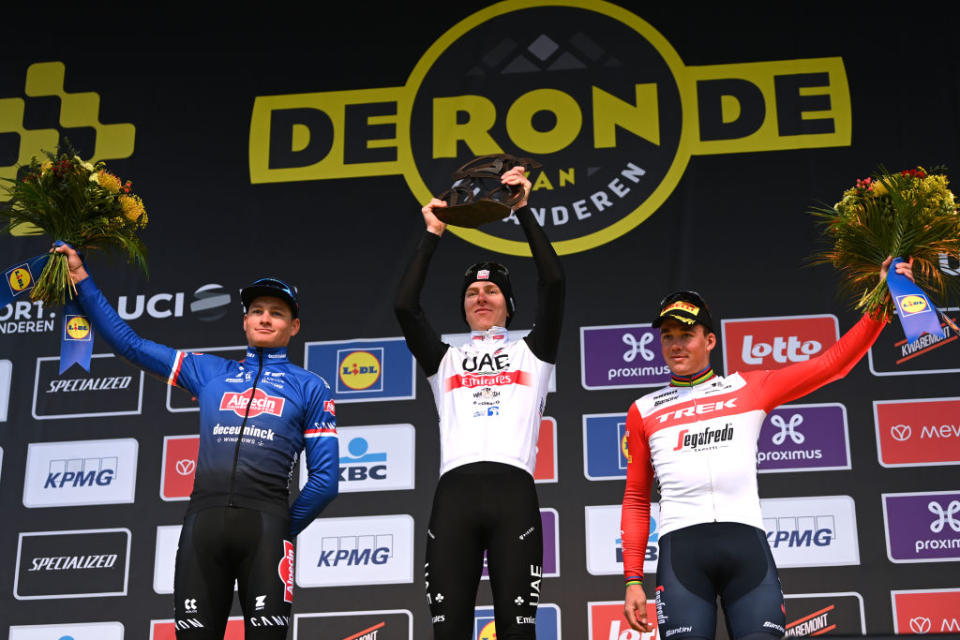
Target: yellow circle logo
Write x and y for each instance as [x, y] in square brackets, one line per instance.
[488, 632]
[624, 449]
[359, 370]
[20, 280]
[913, 304]
[78, 328]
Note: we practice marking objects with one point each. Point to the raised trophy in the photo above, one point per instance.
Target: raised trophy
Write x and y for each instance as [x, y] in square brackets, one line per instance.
[477, 196]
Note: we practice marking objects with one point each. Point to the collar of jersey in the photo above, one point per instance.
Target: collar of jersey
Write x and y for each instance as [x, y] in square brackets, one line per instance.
[692, 381]
[493, 333]
[271, 355]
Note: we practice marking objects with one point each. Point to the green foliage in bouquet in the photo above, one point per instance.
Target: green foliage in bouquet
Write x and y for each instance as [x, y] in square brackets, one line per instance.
[80, 203]
[906, 214]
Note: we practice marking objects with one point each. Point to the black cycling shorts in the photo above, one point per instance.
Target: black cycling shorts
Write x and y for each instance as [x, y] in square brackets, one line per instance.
[726, 559]
[493, 507]
[219, 545]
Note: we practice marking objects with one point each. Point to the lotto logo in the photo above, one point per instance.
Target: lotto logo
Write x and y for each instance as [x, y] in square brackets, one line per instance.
[776, 342]
[606, 622]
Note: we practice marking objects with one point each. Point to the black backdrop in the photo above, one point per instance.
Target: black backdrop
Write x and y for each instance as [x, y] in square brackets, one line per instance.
[733, 227]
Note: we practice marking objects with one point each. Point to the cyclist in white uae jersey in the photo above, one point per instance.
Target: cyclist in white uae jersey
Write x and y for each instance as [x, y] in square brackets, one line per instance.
[490, 395]
[700, 437]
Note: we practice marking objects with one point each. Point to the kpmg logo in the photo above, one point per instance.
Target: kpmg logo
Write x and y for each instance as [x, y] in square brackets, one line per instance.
[606, 622]
[775, 342]
[621, 356]
[72, 564]
[80, 472]
[804, 437]
[111, 388]
[178, 467]
[605, 446]
[604, 542]
[208, 303]
[816, 614]
[918, 432]
[354, 551]
[926, 611]
[364, 370]
[6, 378]
[546, 621]
[75, 631]
[922, 527]
[811, 531]
[386, 624]
[374, 458]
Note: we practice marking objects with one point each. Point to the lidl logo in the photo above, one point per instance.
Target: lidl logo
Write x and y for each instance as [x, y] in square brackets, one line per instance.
[364, 370]
[591, 85]
[360, 370]
[77, 328]
[546, 622]
[912, 304]
[19, 278]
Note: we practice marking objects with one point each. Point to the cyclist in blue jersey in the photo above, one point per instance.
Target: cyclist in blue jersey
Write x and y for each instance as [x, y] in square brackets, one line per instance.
[256, 416]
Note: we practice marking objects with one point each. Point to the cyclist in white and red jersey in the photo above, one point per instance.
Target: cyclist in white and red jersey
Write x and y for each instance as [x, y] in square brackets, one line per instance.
[490, 395]
[699, 436]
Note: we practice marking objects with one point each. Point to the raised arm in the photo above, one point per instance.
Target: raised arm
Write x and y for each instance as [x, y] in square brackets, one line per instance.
[422, 339]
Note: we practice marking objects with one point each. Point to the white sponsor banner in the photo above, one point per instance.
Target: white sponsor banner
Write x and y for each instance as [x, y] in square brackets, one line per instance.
[129, 384]
[76, 631]
[352, 551]
[818, 531]
[6, 378]
[80, 472]
[165, 558]
[604, 543]
[460, 339]
[373, 458]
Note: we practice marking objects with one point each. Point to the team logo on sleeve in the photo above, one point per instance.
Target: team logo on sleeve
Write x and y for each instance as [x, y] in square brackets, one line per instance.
[261, 403]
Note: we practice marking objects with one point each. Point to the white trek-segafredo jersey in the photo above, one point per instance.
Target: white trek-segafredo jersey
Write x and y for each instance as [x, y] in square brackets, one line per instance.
[490, 394]
[701, 441]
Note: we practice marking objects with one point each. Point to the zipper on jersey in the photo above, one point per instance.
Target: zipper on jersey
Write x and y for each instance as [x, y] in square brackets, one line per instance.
[236, 451]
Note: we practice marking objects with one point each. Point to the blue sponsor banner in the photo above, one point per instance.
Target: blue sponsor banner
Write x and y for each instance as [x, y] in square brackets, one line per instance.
[604, 447]
[364, 370]
[547, 623]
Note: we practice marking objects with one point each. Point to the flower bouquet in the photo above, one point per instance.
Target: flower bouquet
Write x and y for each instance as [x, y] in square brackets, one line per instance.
[908, 214]
[80, 203]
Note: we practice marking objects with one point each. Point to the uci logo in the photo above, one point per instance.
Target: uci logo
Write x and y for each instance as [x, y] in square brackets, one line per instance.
[589, 89]
[77, 328]
[20, 279]
[359, 370]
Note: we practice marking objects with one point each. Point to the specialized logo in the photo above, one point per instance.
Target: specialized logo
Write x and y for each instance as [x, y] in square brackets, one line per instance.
[285, 570]
[209, 302]
[46, 79]
[817, 614]
[920, 432]
[77, 328]
[82, 472]
[604, 542]
[911, 305]
[926, 611]
[359, 550]
[364, 370]
[75, 631]
[167, 629]
[555, 81]
[19, 278]
[809, 437]
[922, 527]
[775, 342]
[810, 532]
[72, 564]
[621, 356]
[606, 622]
[107, 389]
[546, 621]
[260, 403]
[360, 370]
[388, 624]
[179, 466]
